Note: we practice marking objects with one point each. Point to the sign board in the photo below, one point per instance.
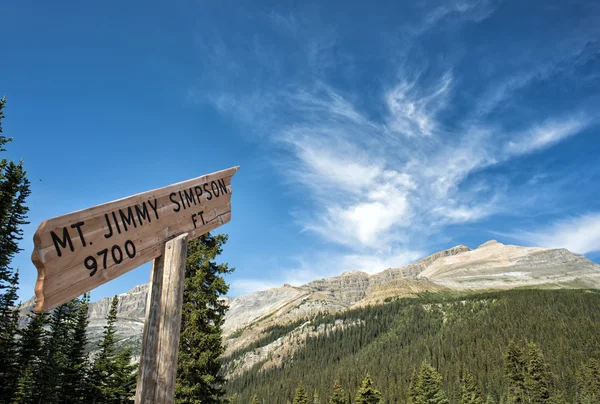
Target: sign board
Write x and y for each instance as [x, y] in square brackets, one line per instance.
[82, 250]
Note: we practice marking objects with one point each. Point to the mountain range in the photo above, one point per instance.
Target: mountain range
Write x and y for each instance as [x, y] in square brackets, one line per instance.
[491, 266]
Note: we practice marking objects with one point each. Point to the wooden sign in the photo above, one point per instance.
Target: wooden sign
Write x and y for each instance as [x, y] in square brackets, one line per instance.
[79, 251]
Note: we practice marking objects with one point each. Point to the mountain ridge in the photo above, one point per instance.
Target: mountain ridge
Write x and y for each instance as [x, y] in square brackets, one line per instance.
[492, 265]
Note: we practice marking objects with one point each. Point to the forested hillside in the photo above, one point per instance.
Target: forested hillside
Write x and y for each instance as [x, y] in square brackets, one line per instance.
[455, 334]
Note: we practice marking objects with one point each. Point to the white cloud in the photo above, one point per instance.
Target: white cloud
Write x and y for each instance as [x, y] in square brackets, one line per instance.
[579, 234]
[243, 286]
[383, 179]
[412, 109]
[547, 134]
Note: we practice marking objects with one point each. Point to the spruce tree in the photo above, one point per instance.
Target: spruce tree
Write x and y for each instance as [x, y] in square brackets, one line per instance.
[426, 387]
[367, 394]
[31, 357]
[14, 190]
[301, 396]
[112, 374]
[25, 388]
[588, 389]
[514, 371]
[536, 376]
[338, 396]
[50, 375]
[470, 390]
[203, 314]
[74, 384]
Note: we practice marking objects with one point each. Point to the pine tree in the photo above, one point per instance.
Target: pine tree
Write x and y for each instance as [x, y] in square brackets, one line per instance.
[588, 389]
[14, 190]
[25, 388]
[112, 374]
[338, 396]
[30, 357]
[536, 376]
[54, 357]
[367, 394]
[74, 384]
[301, 397]
[514, 371]
[426, 387]
[470, 390]
[203, 313]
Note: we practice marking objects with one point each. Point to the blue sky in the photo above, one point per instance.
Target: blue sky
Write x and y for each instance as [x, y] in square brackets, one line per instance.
[368, 135]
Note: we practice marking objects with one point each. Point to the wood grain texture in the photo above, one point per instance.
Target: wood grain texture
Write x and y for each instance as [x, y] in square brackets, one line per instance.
[146, 383]
[77, 252]
[158, 365]
[170, 324]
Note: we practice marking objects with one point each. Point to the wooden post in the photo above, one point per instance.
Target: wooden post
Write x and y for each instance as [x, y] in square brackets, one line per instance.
[158, 362]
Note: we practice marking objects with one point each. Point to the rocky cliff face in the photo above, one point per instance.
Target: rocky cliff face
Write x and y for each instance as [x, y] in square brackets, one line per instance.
[492, 265]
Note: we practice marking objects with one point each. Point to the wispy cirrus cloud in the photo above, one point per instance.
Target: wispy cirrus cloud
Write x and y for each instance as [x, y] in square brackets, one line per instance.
[380, 178]
[547, 134]
[580, 234]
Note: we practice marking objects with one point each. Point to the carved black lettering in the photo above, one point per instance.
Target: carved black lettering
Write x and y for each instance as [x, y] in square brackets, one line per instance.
[215, 188]
[182, 203]
[108, 235]
[127, 219]
[142, 213]
[66, 239]
[189, 197]
[116, 223]
[172, 196]
[194, 220]
[198, 190]
[130, 248]
[205, 187]
[91, 264]
[154, 207]
[201, 213]
[222, 186]
[78, 227]
[117, 258]
[104, 254]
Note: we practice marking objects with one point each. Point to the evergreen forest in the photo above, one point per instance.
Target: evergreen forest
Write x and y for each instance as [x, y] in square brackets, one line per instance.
[516, 346]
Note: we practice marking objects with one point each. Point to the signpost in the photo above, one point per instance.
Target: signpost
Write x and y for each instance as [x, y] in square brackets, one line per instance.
[82, 250]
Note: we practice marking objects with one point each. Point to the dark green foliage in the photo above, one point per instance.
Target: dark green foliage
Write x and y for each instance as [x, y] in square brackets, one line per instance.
[14, 190]
[514, 368]
[589, 382]
[452, 333]
[426, 386]
[301, 397]
[25, 388]
[367, 393]
[200, 345]
[74, 382]
[470, 392]
[338, 396]
[112, 376]
[536, 376]
[526, 373]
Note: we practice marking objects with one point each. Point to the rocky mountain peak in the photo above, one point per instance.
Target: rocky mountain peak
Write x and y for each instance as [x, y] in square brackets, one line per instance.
[489, 243]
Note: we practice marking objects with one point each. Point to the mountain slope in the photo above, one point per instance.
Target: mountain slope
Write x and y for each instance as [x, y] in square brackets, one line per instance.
[491, 266]
[453, 334]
